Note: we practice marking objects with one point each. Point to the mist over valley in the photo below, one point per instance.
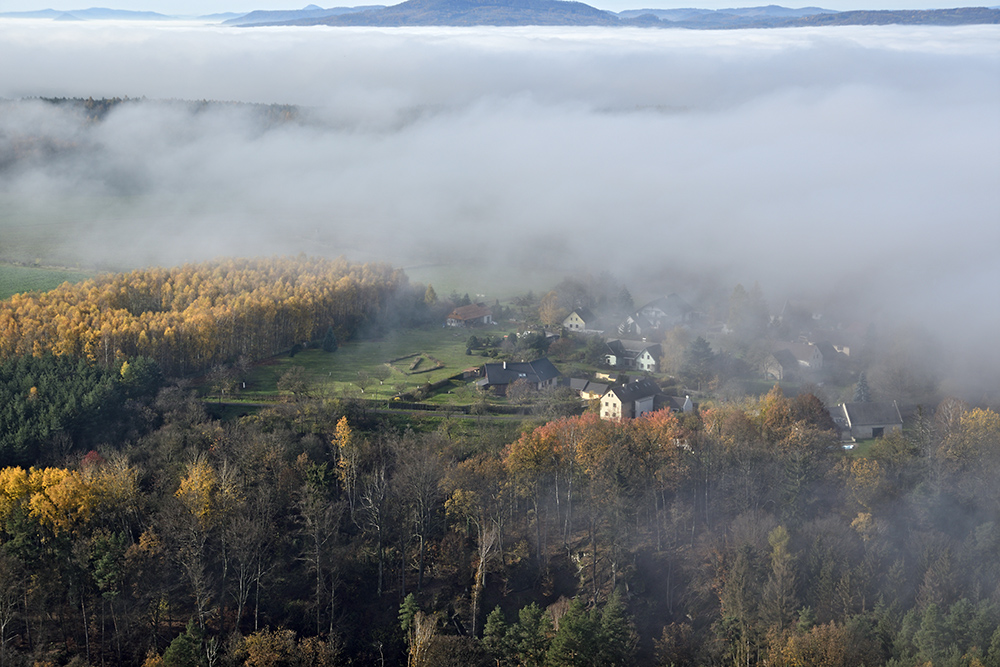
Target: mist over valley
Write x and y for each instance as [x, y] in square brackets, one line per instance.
[850, 167]
[496, 346]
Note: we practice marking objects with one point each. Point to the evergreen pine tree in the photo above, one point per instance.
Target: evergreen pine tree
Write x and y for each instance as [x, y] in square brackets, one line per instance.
[496, 638]
[185, 649]
[532, 635]
[576, 642]
[330, 341]
[617, 638]
[861, 392]
[697, 365]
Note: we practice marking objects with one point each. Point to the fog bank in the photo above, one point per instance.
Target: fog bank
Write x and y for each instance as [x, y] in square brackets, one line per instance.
[859, 162]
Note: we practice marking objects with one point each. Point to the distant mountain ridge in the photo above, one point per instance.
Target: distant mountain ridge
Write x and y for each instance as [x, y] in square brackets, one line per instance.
[288, 15]
[91, 14]
[550, 13]
[474, 12]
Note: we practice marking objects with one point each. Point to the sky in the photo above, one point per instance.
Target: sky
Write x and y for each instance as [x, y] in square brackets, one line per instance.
[855, 166]
[205, 7]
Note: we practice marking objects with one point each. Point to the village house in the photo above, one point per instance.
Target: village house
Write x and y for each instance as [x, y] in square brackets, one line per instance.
[785, 363]
[631, 400]
[657, 315]
[588, 390]
[639, 397]
[582, 320]
[540, 374]
[862, 421]
[808, 355]
[472, 315]
[633, 355]
[780, 365]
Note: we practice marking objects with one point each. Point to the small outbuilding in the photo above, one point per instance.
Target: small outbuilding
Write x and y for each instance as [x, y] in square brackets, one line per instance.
[472, 315]
[862, 421]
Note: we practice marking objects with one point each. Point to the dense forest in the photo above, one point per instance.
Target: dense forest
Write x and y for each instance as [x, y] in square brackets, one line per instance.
[135, 529]
[316, 533]
[195, 316]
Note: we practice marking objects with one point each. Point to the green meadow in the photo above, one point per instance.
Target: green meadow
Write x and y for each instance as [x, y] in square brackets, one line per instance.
[440, 350]
[15, 279]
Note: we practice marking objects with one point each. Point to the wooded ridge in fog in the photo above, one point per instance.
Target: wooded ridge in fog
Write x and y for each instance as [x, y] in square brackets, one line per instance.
[558, 12]
[551, 12]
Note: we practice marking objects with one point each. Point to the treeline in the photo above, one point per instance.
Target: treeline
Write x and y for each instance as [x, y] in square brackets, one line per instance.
[314, 533]
[97, 110]
[195, 316]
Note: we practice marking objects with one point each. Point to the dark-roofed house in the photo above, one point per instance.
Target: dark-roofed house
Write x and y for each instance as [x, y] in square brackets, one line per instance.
[632, 354]
[867, 420]
[780, 365]
[540, 373]
[472, 315]
[636, 326]
[658, 315]
[631, 400]
[675, 403]
[587, 389]
[582, 320]
[667, 312]
[808, 355]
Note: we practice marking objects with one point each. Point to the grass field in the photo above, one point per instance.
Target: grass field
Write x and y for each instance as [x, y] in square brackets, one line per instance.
[16, 279]
[337, 373]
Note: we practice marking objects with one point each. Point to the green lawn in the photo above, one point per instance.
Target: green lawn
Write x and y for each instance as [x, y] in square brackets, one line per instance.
[337, 373]
[16, 279]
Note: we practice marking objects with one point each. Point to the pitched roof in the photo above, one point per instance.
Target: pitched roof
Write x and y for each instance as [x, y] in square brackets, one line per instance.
[786, 359]
[636, 390]
[587, 386]
[675, 403]
[635, 324]
[872, 414]
[584, 314]
[632, 349]
[827, 350]
[636, 347]
[470, 312]
[672, 306]
[803, 351]
[536, 372]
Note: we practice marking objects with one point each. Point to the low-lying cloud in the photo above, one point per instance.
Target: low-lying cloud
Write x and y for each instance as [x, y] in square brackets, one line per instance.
[862, 162]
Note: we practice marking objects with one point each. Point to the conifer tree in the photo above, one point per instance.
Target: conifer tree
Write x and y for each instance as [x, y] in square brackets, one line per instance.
[862, 394]
[330, 341]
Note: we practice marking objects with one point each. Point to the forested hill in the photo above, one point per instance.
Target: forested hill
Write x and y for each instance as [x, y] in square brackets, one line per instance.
[559, 12]
[958, 16]
[474, 12]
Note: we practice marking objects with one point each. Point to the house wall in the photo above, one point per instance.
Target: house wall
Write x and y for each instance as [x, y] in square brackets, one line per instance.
[646, 362]
[611, 407]
[643, 405]
[865, 432]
